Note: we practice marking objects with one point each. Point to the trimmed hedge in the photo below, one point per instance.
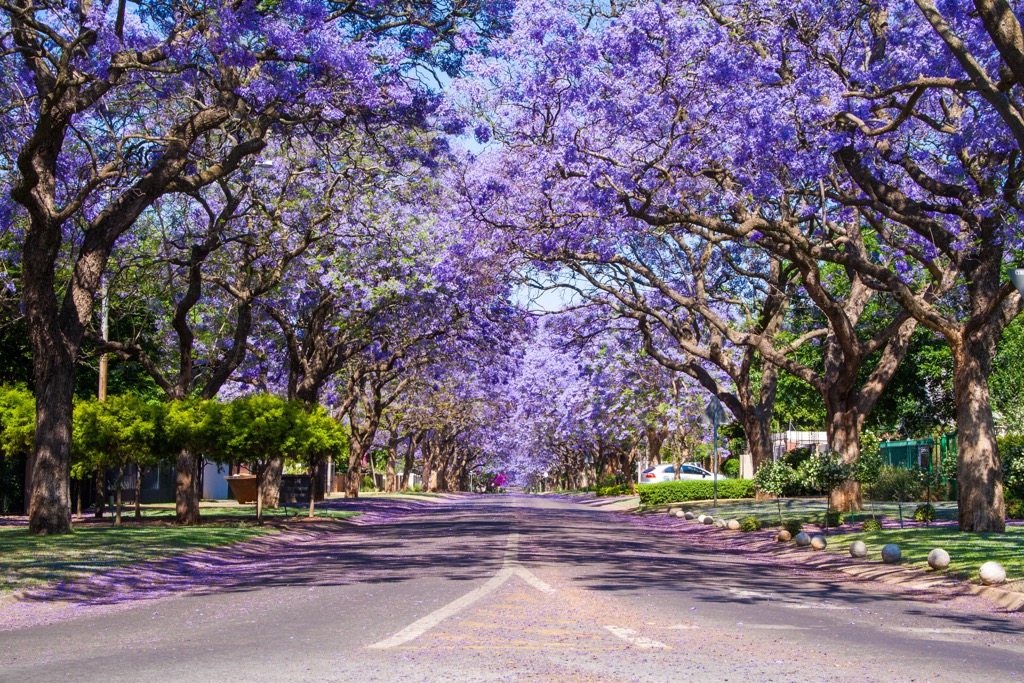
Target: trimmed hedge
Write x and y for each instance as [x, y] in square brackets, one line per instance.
[683, 491]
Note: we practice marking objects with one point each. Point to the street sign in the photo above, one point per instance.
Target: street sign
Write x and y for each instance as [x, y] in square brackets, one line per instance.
[714, 413]
[1017, 278]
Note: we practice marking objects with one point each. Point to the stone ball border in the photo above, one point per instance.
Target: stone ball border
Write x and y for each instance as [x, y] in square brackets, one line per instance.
[938, 559]
[992, 573]
[891, 554]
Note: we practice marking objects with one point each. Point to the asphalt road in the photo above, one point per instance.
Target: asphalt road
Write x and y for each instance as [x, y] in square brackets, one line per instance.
[497, 588]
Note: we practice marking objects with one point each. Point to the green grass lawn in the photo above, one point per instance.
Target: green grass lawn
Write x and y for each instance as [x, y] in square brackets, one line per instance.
[234, 511]
[27, 561]
[967, 552]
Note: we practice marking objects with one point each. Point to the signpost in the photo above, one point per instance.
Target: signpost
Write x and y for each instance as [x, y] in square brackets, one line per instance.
[1017, 278]
[714, 415]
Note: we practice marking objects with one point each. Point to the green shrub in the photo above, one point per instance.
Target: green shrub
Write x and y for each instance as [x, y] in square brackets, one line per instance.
[797, 456]
[871, 525]
[1011, 454]
[896, 484]
[773, 478]
[793, 526]
[731, 467]
[835, 518]
[925, 512]
[1015, 508]
[750, 524]
[683, 491]
[616, 490]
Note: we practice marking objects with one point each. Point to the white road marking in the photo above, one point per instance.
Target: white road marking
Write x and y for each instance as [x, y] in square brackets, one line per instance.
[635, 639]
[510, 568]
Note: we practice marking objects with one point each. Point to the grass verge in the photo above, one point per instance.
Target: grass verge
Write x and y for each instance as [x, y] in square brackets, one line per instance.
[967, 552]
[27, 561]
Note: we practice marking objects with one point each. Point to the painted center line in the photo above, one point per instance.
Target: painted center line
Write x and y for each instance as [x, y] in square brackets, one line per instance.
[635, 639]
[510, 568]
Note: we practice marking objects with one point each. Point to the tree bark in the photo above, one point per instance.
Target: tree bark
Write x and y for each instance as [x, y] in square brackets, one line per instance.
[314, 476]
[270, 484]
[186, 494]
[138, 493]
[844, 438]
[979, 474]
[758, 430]
[49, 504]
[655, 438]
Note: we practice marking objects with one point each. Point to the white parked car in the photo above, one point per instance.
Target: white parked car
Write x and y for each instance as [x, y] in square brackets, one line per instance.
[667, 472]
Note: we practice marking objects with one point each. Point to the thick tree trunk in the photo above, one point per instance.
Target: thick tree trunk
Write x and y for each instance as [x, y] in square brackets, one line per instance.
[844, 438]
[390, 480]
[759, 437]
[49, 504]
[410, 460]
[138, 493]
[314, 476]
[261, 484]
[355, 468]
[655, 438]
[270, 491]
[186, 494]
[979, 474]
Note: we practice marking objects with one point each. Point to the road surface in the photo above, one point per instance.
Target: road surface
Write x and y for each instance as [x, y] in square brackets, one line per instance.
[496, 588]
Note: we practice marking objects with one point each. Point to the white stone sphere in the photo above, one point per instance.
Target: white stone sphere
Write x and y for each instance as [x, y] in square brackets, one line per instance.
[891, 554]
[734, 524]
[671, 512]
[679, 513]
[938, 559]
[689, 515]
[708, 519]
[701, 518]
[720, 523]
[858, 549]
[784, 536]
[803, 539]
[992, 574]
[818, 542]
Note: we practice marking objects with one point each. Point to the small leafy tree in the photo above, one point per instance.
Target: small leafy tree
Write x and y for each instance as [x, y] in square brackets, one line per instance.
[773, 478]
[17, 432]
[190, 425]
[116, 433]
[320, 436]
[827, 471]
[257, 429]
[868, 468]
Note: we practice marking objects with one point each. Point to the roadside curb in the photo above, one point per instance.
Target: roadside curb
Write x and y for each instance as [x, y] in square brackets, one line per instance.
[12, 598]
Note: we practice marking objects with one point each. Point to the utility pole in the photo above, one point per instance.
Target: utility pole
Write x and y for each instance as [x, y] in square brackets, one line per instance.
[105, 336]
[101, 474]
